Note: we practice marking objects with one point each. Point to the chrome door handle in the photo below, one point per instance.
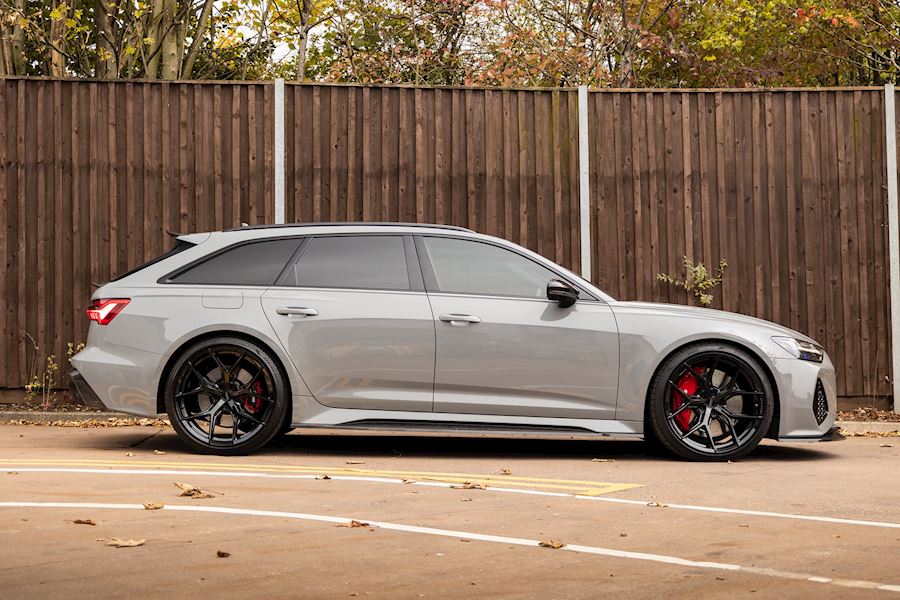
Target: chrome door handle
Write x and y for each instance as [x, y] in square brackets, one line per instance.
[455, 319]
[296, 311]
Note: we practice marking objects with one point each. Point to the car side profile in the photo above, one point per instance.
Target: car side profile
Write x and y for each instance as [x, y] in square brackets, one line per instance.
[242, 335]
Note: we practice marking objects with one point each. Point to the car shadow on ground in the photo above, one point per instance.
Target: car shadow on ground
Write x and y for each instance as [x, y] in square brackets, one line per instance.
[348, 445]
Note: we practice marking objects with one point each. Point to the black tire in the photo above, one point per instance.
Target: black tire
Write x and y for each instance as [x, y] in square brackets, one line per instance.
[232, 378]
[710, 402]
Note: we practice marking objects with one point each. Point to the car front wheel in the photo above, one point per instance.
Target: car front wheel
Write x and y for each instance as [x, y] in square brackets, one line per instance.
[710, 402]
[226, 396]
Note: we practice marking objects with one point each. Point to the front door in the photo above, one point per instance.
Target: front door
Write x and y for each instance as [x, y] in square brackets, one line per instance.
[353, 315]
[503, 348]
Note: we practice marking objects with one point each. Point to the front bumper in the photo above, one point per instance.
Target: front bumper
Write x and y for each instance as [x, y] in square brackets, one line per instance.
[85, 392]
[832, 435]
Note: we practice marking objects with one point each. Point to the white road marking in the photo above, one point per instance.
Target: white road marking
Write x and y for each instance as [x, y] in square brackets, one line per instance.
[440, 484]
[595, 550]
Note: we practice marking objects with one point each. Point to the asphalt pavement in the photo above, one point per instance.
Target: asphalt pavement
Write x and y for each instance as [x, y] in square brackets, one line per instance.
[384, 516]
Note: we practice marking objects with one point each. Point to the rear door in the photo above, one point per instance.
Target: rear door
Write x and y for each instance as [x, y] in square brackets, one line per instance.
[503, 348]
[353, 314]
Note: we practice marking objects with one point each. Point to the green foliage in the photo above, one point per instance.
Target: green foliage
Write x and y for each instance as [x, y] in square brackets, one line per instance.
[626, 43]
[697, 280]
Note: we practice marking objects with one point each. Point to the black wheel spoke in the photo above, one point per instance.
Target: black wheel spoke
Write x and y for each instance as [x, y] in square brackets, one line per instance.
[709, 436]
[734, 393]
[219, 363]
[244, 415]
[733, 415]
[233, 371]
[205, 382]
[680, 391]
[700, 378]
[214, 422]
[731, 429]
[681, 409]
[693, 430]
[196, 390]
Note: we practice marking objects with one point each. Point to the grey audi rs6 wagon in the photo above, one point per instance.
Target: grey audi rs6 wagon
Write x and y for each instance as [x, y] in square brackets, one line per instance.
[243, 335]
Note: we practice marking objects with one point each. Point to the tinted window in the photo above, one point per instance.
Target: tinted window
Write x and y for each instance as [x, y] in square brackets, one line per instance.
[257, 263]
[376, 262]
[180, 246]
[466, 267]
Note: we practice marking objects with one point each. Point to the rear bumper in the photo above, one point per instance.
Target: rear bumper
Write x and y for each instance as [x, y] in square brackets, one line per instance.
[85, 392]
[832, 435]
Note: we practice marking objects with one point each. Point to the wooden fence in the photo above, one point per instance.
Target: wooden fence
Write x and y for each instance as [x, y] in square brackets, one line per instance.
[787, 186]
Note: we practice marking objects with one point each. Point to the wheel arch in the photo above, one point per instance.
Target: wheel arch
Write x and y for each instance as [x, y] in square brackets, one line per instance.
[760, 362]
[206, 335]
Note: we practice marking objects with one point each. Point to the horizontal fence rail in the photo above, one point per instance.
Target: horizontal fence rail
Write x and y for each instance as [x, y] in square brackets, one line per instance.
[787, 186]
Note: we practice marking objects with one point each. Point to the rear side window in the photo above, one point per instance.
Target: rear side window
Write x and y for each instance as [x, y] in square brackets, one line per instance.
[256, 263]
[180, 246]
[375, 262]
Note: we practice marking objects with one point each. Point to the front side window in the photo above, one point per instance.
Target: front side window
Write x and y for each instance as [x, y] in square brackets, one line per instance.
[374, 262]
[470, 267]
[256, 263]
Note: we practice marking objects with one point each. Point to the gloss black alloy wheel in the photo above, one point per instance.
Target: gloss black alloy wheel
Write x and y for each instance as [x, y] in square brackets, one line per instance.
[710, 402]
[226, 396]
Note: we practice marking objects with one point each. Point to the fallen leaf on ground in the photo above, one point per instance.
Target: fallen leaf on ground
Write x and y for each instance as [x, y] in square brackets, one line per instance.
[192, 492]
[354, 523]
[409, 480]
[158, 452]
[505, 471]
[466, 500]
[129, 454]
[222, 554]
[322, 477]
[355, 462]
[657, 504]
[153, 505]
[603, 460]
[117, 543]
[12, 472]
[623, 535]
[84, 522]
[551, 544]
[468, 485]
[886, 446]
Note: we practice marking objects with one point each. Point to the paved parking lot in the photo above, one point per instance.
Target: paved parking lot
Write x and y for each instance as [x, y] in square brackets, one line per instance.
[795, 521]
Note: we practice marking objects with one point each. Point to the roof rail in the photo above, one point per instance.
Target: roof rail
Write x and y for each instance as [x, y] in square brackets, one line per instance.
[349, 224]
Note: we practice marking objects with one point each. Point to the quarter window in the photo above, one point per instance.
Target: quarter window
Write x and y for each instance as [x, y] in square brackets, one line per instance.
[256, 263]
[374, 262]
[469, 267]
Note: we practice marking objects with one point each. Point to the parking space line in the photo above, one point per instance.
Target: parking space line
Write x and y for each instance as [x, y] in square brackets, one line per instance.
[594, 550]
[443, 484]
[588, 488]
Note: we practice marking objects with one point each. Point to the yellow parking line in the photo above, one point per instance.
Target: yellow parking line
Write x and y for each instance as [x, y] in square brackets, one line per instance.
[579, 487]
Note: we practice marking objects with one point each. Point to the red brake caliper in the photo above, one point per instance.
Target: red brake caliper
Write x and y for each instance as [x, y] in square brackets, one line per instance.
[687, 384]
[254, 403]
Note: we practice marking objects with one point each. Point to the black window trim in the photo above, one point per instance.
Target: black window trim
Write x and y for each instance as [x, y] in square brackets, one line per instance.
[431, 283]
[413, 270]
[168, 278]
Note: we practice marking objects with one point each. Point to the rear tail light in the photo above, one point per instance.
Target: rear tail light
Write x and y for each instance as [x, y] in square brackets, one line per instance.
[104, 311]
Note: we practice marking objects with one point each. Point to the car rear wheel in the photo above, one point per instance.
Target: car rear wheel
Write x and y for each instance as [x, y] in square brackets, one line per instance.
[710, 402]
[226, 396]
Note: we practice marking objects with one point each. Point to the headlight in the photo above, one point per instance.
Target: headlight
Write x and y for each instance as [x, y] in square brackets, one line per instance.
[801, 349]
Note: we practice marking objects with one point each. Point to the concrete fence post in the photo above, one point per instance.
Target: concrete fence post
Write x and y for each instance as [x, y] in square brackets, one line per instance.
[890, 132]
[584, 184]
[278, 155]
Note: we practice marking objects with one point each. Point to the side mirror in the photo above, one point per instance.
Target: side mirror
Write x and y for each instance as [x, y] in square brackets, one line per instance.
[562, 293]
